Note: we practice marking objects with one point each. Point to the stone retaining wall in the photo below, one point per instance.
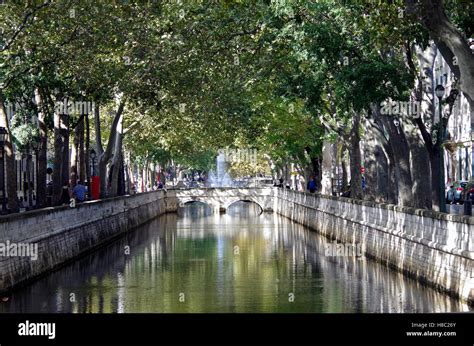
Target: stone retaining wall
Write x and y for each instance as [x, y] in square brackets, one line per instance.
[63, 233]
[433, 247]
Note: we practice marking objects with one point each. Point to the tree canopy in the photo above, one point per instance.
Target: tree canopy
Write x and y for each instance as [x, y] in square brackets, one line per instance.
[176, 81]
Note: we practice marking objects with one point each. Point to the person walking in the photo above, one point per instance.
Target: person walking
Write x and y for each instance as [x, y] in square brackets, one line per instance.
[65, 193]
[280, 182]
[311, 185]
[79, 192]
[451, 195]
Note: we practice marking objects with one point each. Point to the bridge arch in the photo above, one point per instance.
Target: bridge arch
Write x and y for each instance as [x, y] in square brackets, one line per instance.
[182, 203]
[243, 199]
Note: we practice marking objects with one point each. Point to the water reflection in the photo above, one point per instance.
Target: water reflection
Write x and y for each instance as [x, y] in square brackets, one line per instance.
[242, 261]
[194, 210]
[244, 209]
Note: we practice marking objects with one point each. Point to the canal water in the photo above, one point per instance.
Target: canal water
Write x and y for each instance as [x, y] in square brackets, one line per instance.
[241, 261]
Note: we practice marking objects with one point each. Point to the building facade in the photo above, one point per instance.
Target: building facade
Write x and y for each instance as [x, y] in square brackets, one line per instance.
[458, 153]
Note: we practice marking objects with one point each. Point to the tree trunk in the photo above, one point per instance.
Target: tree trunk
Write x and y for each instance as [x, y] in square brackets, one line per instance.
[144, 176]
[64, 132]
[80, 149]
[127, 177]
[441, 29]
[61, 155]
[102, 163]
[435, 177]
[10, 181]
[115, 175]
[87, 166]
[41, 192]
[151, 175]
[355, 157]
[399, 145]
[117, 160]
[77, 151]
[385, 188]
[316, 163]
[427, 174]
[75, 154]
[419, 167]
[105, 155]
[371, 150]
[383, 193]
[420, 158]
[345, 176]
[57, 175]
[29, 182]
[326, 168]
[121, 179]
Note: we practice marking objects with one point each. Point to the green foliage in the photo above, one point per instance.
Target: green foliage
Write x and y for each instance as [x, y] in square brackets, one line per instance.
[279, 76]
[248, 168]
[23, 133]
[462, 14]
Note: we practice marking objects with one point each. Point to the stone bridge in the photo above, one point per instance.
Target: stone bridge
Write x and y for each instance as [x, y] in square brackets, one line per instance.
[219, 199]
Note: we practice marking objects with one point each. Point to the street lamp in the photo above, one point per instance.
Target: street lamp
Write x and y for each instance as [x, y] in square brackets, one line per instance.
[3, 138]
[439, 91]
[35, 147]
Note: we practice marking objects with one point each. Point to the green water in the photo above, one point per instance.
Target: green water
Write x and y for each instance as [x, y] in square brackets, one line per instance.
[242, 261]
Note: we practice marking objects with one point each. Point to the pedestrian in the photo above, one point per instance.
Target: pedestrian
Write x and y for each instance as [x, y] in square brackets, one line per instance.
[347, 190]
[79, 192]
[21, 204]
[65, 193]
[451, 195]
[311, 185]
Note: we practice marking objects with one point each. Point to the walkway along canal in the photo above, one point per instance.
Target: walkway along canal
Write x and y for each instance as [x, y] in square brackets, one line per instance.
[199, 260]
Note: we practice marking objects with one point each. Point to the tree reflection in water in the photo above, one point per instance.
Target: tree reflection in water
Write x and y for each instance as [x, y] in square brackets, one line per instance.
[241, 261]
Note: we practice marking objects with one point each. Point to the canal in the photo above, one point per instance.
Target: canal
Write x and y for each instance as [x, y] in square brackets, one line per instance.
[241, 261]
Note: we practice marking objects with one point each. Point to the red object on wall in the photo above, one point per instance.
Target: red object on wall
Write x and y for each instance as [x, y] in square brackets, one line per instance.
[95, 187]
